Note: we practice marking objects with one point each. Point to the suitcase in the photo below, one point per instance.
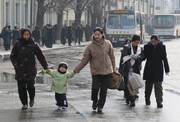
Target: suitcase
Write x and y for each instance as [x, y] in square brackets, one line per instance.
[136, 81]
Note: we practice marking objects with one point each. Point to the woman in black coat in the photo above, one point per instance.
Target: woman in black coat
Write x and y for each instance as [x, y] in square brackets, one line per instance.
[135, 52]
[155, 53]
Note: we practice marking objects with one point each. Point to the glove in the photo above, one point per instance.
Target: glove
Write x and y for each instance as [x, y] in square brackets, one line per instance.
[131, 70]
[134, 57]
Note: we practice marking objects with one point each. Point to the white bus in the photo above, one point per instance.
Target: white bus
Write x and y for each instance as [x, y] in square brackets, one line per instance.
[123, 24]
[167, 26]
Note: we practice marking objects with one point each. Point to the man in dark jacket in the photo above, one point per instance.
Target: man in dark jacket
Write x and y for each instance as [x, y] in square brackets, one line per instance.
[36, 34]
[78, 34]
[69, 35]
[6, 33]
[15, 34]
[155, 53]
[23, 59]
[50, 36]
[63, 35]
[135, 52]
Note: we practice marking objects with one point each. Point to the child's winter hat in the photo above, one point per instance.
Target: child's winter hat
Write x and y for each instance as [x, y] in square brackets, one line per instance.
[63, 64]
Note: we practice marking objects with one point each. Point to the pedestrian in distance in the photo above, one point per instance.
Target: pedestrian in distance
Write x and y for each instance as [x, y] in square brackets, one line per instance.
[100, 54]
[78, 35]
[135, 53]
[15, 34]
[23, 59]
[156, 61]
[69, 35]
[87, 32]
[59, 85]
[6, 33]
[63, 35]
[36, 35]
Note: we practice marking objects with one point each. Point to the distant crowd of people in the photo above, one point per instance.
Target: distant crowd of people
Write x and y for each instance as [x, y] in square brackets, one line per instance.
[47, 37]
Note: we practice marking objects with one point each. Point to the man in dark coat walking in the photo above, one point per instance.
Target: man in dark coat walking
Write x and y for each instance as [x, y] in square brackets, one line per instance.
[50, 36]
[78, 35]
[6, 33]
[155, 53]
[69, 35]
[36, 35]
[63, 35]
[15, 34]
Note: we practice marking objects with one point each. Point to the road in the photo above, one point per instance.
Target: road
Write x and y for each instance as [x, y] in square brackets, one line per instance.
[79, 95]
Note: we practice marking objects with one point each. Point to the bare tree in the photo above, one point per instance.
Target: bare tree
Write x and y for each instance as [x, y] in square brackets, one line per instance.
[60, 5]
[43, 6]
[79, 6]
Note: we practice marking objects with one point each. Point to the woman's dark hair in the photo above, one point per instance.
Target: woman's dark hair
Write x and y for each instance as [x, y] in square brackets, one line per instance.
[135, 38]
[156, 37]
[26, 30]
[126, 42]
[99, 29]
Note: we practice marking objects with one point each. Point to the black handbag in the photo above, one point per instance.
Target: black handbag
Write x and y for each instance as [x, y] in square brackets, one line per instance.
[122, 86]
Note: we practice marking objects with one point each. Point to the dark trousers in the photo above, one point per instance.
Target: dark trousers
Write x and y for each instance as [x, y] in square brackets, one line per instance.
[23, 87]
[99, 83]
[78, 39]
[69, 41]
[158, 90]
[61, 100]
[129, 97]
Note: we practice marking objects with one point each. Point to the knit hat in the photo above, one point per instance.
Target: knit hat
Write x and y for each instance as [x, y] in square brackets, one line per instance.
[63, 64]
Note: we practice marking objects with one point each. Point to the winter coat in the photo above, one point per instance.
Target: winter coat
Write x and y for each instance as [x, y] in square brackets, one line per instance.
[69, 33]
[101, 58]
[156, 57]
[124, 68]
[59, 81]
[36, 35]
[7, 36]
[63, 33]
[23, 59]
[16, 35]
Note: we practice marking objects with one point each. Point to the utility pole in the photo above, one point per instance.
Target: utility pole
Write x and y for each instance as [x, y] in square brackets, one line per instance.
[122, 4]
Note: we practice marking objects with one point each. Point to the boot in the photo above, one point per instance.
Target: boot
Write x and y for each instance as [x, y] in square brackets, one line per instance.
[31, 103]
[148, 102]
[25, 107]
[94, 105]
[159, 105]
[132, 104]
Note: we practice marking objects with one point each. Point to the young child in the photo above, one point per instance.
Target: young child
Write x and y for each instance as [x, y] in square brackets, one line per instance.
[60, 78]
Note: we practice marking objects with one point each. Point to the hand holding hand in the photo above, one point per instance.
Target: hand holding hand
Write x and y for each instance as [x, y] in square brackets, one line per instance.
[47, 70]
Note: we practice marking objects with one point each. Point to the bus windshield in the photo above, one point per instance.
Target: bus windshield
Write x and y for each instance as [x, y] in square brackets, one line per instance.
[164, 21]
[121, 21]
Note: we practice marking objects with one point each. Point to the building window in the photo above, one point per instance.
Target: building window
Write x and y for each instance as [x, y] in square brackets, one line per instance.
[17, 13]
[7, 13]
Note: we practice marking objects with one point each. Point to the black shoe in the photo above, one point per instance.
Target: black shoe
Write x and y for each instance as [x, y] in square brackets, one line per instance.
[136, 96]
[94, 105]
[25, 107]
[159, 105]
[99, 110]
[31, 103]
[127, 102]
[132, 104]
[148, 102]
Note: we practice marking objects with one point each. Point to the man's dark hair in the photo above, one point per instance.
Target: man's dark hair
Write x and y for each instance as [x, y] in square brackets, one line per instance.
[135, 38]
